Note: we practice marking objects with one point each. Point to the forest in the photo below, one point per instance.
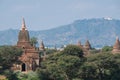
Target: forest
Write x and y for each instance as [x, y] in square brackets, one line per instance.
[68, 64]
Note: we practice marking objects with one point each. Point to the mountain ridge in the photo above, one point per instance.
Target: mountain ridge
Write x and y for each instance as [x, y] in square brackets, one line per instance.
[99, 32]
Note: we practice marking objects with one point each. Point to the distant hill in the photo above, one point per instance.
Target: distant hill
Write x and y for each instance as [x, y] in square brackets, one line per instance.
[99, 32]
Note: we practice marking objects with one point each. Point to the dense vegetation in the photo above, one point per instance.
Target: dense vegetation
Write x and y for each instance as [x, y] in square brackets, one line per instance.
[70, 64]
[8, 56]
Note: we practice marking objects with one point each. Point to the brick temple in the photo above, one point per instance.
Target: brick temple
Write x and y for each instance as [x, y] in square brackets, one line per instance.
[30, 58]
[116, 46]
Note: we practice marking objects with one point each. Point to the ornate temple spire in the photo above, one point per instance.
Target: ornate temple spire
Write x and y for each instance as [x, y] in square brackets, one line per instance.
[79, 43]
[42, 46]
[87, 45]
[23, 36]
[116, 47]
[23, 24]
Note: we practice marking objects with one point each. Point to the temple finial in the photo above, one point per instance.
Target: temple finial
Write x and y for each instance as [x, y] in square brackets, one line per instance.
[23, 24]
[117, 38]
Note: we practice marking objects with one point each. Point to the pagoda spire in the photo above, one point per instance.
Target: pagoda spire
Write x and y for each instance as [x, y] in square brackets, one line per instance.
[79, 43]
[42, 46]
[23, 24]
[87, 45]
[116, 47]
[23, 36]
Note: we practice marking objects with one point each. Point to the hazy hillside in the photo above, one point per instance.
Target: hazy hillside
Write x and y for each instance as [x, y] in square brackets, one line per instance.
[100, 32]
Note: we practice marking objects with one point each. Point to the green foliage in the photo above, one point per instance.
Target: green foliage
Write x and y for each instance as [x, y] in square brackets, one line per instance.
[50, 51]
[8, 56]
[33, 41]
[73, 50]
[55, 72]
[42, 74]
[27, 76]
[10, 75]
[69, 64]
[87, 71]
[21, 76]
[62, 65]
[101, 66]
[94, 51]
[107, 48]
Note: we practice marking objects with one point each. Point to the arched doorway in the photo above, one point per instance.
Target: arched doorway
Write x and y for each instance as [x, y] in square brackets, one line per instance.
[23, 67]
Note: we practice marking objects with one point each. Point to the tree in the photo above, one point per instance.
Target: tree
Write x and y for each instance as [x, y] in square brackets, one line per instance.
[50, 51]
[107, 48]
[33, 41]
[101, 66]
[8, 56]
[50, 70]
[29, 76]
[10, 75]
[87, 71]
[73, 50]
[62, 65]
[71, 65]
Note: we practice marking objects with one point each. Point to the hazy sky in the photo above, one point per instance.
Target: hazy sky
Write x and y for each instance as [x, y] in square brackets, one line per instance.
[46, 14]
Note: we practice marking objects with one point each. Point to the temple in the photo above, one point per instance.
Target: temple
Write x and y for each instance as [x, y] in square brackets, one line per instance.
[86, 48]
[42, 51]
[79, 44]
[116, 47]
[29, 60]
[87, 45]
[42, 48]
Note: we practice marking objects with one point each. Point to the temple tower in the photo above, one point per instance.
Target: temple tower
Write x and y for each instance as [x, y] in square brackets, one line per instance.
[29, 60]
[85, 48]
[87, 45]
[79, 44]
[42, 51]
[116, 47]
[42, 47]
[23, 37]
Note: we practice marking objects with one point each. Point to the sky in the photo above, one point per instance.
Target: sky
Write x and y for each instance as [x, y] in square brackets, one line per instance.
[47, 14]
